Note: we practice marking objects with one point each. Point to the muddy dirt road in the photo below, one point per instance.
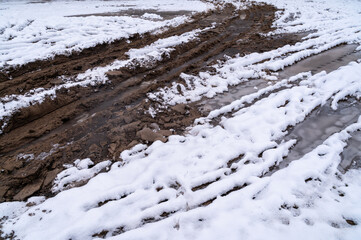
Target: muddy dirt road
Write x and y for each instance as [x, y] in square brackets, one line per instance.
[101, 121]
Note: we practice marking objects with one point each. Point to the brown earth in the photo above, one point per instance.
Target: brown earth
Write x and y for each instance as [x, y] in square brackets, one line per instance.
[101, 121]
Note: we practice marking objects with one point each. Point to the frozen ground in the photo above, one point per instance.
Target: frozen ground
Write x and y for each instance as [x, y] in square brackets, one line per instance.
[225, 178]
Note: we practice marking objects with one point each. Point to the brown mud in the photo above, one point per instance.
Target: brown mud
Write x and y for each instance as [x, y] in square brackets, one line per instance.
[101, 121]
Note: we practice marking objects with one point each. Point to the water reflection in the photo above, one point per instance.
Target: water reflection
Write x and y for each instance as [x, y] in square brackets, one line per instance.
[320, 125]
[327, 61]
[351, 156]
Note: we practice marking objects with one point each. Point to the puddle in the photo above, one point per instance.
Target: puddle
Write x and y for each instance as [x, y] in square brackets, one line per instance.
[327, 61]
[321, 124]
[351, 156]
[234, 93]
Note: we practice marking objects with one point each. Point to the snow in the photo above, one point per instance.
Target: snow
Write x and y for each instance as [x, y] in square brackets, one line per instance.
[32, 31]
[217, 181]
[143, 56]
[152, 16]
[202, 157]
[331, 32]
[81, 171]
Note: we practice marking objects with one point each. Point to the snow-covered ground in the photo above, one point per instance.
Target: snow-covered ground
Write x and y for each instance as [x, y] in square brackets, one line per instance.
[213, 182]
[32, 30]
[334, 23]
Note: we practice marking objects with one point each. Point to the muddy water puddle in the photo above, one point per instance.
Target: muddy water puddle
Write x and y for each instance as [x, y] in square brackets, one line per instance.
[351, 156]
[327, 61]
[320, 125]
[234, 93]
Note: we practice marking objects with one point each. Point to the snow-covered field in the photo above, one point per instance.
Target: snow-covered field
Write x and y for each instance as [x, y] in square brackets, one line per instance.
[43, 29]
[216, 182]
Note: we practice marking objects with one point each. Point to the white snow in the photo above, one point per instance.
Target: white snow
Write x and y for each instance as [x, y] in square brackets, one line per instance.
[82, 170]
[204, 157]
[152, 16]
[335, 23]
[143, 56]
[212, 182]
[32, 31]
